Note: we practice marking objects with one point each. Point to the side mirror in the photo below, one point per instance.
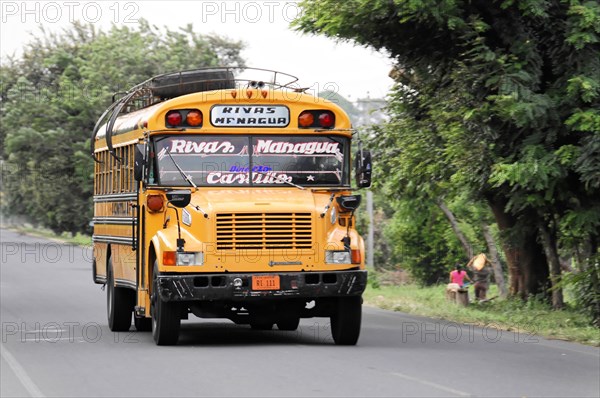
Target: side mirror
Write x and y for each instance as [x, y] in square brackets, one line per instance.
[349, 202]
[363, 168]
[139, 162]
[179, 198]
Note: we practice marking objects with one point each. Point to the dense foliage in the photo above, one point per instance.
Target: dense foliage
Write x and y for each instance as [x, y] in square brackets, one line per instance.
[499, 100]
[52, 96]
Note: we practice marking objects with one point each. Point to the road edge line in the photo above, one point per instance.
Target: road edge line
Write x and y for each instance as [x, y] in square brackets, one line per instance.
[432, 384]
[20, 372]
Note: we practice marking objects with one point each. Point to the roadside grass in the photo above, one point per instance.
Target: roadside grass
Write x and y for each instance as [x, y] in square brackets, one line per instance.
[533, 317]
[77, 239]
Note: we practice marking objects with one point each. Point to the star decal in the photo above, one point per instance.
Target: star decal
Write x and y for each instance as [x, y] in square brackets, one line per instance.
[310, 178]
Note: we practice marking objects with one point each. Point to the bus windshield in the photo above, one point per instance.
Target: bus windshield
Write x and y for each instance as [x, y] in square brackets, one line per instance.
[251, 161]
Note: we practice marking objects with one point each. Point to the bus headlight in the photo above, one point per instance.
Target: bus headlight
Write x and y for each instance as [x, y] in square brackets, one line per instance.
[337, 257]
[190, 258]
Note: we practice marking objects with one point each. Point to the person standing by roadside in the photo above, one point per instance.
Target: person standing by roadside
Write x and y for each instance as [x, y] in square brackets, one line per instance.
[481, 275]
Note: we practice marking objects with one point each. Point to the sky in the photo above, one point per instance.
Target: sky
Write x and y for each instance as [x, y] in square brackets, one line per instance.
[320, 63]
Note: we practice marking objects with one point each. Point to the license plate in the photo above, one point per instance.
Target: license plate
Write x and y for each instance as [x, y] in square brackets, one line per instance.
[265, 282]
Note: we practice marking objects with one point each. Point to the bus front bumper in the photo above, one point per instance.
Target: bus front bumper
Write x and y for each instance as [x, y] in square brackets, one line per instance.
[237, 287]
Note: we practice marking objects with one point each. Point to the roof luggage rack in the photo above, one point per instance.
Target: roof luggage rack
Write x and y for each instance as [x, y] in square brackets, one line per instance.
[175, 84]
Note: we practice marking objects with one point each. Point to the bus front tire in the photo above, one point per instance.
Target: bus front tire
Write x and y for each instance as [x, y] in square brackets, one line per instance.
[346, 320]
[119, 303]
[166, 321]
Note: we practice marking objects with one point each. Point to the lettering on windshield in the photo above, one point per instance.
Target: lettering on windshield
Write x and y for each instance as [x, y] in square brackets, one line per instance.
[211, 147]
[299, 148]
[261, 160]
[270, 177]
[256, 169]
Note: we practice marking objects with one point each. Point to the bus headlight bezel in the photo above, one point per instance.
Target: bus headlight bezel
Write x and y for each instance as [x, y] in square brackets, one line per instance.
[189, 258]
[338, 257]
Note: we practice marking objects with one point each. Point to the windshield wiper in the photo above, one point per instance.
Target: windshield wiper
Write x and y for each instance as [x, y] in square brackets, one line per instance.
[185, 177]
[282, 180]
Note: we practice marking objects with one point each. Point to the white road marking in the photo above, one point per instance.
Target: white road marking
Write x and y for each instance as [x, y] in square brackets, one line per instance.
[431, 384]
[21, 374]
[52, 340]
[547, 343]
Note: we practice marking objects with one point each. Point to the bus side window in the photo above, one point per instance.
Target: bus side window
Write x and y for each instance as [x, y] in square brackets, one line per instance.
[96, 180]
[130, 166]
[105, 171]
[124, 168]
[112, 176]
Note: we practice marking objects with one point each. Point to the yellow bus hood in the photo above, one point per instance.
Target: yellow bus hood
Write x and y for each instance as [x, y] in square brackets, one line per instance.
[258, 200]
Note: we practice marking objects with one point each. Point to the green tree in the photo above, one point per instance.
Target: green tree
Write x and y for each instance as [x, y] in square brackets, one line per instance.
[497, 98]
[53, 94]
[423, 242]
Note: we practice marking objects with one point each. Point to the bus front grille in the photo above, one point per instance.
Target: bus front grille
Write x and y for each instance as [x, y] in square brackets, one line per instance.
[239, 231]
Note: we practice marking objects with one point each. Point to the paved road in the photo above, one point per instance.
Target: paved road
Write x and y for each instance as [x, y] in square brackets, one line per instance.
[55, 342]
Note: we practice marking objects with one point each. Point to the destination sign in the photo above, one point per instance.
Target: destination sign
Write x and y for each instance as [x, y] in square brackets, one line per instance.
[249, 116]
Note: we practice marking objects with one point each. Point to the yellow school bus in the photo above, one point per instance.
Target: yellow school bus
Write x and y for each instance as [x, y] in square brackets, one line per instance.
[228, 197]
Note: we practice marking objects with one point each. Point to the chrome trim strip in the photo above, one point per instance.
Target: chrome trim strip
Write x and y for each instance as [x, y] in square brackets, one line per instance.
[125, 283]
[114, 220]
[118, 240]
[118, 197]
[274, 263]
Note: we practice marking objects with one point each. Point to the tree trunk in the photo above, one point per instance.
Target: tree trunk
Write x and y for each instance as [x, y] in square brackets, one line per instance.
[534, 266]
[526, 260]
[495, 260]
[454, 224]
[549, 245]
[511, 252]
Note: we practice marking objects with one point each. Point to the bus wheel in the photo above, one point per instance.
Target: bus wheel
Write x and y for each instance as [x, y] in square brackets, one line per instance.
[289, 324]
[345, 321]
[165, 316]
[119, 303]
[142, 324]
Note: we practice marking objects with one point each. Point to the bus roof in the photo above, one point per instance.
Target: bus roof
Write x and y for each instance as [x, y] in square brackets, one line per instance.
[143, 99]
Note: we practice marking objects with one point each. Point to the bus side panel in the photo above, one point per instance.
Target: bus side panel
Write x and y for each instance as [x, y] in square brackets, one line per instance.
[100, 257]
[123, 263]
